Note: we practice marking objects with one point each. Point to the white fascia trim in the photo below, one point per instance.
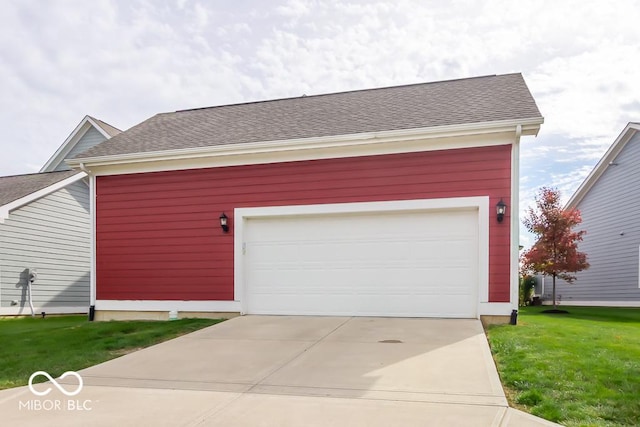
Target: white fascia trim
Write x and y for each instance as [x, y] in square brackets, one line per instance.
[168, 305]
[6, 209]
[495, 309]
[71, 142]
[611, 154]
[481, 203]
[99, 128]
[26, 310]
[92, 238]
[529, 126]
[345, 151]
[515, 222]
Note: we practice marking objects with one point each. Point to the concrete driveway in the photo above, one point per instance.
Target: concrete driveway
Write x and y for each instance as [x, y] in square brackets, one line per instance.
[289, 371]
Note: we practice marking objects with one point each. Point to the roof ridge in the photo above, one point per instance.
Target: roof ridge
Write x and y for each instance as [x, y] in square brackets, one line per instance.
[103, 123]
[339, 93]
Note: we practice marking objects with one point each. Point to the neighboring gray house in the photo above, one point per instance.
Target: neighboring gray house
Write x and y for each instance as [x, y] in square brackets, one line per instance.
[45, 226]
[609, 200]
[89, 132]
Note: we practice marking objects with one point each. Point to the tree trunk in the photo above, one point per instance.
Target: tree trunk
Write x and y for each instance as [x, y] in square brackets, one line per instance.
[554, 291]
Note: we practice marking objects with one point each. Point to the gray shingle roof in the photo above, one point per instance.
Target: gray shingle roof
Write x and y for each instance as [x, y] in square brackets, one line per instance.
[18, 186]
[110, 130]
[453, 102]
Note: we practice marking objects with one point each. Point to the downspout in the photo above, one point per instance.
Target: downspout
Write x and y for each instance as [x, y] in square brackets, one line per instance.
[515, 217]
[92, 241]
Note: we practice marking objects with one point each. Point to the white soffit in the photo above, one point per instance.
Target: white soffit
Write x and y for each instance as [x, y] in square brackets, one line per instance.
[378, 143]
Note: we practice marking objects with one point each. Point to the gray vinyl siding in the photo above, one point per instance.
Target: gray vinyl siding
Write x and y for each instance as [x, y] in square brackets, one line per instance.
[52, 235]
[90, 139]
[610, 213]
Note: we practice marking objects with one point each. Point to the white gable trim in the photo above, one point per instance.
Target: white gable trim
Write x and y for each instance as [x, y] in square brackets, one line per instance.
[83, 127]
[335, 146]
[611, 154]
[6, 209]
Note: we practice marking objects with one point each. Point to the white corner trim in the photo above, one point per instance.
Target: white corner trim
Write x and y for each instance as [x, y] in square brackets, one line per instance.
[621, 141]
[6, 209]
[71, 141]
[168, 305]
[514, 232]
[98, 127]
[92, 239]
[447, 134]
[26, 310]
[481, 203]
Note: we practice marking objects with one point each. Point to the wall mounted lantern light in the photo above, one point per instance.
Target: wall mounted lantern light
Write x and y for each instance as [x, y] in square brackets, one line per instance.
[501, 209]
[224, 224]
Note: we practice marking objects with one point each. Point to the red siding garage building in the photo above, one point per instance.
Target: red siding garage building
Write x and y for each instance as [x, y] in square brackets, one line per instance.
[378, 202]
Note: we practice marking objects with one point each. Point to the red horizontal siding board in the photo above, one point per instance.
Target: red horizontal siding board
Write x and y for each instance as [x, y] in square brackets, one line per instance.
[143, 294]
[179, 274]
[133, 257]
[371, 178]
[200, 242]
[441, 163]
[157, 252]
[291, 191]
[158, 234]
[217, 284]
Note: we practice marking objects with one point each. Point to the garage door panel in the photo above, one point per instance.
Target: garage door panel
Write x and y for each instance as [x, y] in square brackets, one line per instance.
[400, 253]
[359, 226]
[379, 279]
[289, 304]
[418, 306]
[405, 263]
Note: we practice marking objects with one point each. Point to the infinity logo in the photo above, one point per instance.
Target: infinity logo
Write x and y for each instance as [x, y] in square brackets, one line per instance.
[55, 383]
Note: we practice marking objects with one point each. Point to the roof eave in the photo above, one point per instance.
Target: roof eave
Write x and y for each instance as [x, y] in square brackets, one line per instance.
[530, 126]
[8, 207]
[613, 151]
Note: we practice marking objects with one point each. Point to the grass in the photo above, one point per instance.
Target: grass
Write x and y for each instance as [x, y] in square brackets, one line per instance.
[577, 369]
[70, 343]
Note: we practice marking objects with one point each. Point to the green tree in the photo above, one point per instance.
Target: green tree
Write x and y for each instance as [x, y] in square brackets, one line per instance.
[555, 252]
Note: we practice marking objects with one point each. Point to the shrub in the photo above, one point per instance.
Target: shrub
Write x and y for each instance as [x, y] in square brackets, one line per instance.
[527, 284]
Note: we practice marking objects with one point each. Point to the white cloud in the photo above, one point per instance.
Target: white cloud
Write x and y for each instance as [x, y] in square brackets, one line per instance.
[585, 92]
[121, 63]
[124, 61]
[294, 9]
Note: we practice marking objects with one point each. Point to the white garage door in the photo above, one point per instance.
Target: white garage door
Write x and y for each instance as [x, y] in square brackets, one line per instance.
[416, 264]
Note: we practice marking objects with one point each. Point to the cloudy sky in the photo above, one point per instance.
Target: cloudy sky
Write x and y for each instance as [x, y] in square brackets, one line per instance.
[124, 61]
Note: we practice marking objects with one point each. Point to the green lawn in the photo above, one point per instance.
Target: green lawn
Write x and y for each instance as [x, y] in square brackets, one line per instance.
[578, 369]
[70, 343]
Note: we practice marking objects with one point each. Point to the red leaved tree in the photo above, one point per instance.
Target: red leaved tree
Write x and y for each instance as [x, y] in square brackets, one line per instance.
[555, 252]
